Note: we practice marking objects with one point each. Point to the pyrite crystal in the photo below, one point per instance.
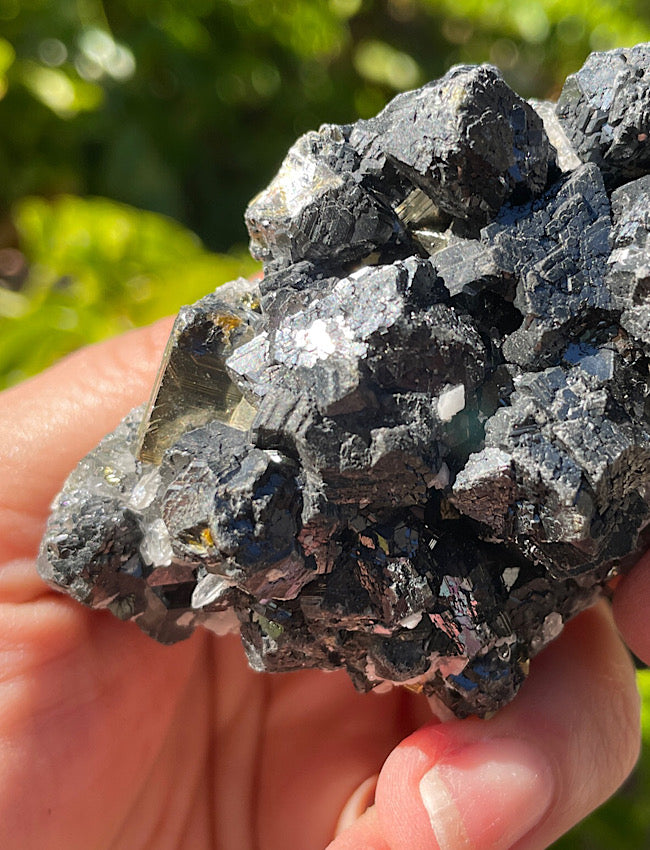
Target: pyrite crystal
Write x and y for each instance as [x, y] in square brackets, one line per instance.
[422, 442]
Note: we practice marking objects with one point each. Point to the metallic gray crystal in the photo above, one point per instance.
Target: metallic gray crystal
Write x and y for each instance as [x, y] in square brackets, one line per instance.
[422, 443]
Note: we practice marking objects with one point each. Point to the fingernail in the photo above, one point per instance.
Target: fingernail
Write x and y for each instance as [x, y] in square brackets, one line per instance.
[357, 803]
[489, 794]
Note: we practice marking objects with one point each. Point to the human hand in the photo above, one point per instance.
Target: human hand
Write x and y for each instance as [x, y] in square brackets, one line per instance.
[109, 740]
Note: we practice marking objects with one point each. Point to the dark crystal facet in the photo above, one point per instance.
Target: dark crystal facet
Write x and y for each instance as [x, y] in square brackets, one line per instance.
[605, 111]
[422, 443]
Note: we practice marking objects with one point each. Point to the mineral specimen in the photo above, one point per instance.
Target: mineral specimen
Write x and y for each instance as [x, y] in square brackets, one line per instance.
[421, 442]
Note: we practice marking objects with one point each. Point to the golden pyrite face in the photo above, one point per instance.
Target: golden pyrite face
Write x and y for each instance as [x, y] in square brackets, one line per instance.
[193, 386]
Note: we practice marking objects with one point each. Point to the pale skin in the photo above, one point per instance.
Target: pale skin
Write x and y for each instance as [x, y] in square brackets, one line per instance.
[108, 740]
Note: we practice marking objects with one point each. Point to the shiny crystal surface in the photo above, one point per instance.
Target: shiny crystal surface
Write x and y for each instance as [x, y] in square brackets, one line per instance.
[192, 386]
[421, 443]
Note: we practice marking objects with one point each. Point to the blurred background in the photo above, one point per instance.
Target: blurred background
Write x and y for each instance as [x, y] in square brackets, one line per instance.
[133, 133]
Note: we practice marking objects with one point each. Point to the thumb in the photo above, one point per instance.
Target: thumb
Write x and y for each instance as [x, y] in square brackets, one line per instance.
[528, 775]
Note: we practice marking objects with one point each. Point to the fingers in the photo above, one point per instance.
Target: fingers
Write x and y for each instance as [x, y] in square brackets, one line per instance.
[49, 422]
[631, 605]
[325, 740]
[526, 776]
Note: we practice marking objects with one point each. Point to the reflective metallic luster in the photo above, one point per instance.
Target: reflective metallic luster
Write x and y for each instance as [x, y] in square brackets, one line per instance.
[193, 386]
[422, 443]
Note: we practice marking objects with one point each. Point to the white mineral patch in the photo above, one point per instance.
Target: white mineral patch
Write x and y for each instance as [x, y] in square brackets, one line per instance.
[156, 547]
[510, 576]
[124, 461]
[316, 340]
[344, 329]
[208, 589]
[552, 626]
[442, 478]
[145, 491]
[411, 621]
[451, 402]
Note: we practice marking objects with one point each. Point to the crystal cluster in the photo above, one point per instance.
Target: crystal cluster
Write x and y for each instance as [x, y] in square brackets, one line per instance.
[421, 442]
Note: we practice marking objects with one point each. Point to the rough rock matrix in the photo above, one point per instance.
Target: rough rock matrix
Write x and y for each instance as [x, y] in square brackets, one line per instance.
[421, 442]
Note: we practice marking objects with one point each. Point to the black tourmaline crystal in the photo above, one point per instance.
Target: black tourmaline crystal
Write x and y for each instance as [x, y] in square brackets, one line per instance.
[421, 442]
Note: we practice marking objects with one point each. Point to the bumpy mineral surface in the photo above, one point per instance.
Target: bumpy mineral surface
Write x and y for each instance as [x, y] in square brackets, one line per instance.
[422, 442]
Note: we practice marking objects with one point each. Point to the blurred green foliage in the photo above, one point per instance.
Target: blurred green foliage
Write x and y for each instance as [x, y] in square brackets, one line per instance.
[183, 109]
[186, 107]
[98, 267]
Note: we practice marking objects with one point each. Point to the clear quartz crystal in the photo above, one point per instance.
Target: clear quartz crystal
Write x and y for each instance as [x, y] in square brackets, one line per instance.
[156, 548]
